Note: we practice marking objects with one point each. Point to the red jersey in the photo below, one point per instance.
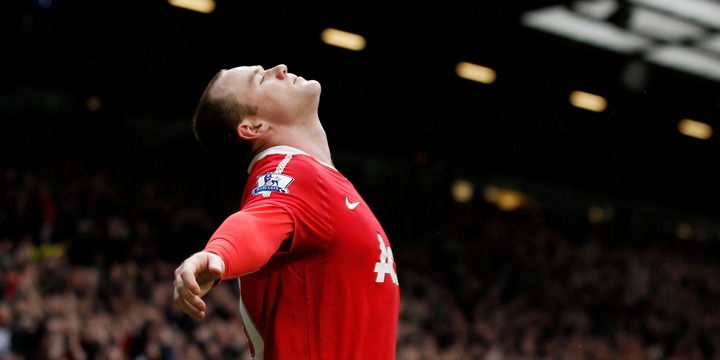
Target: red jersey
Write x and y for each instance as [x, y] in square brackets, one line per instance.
[331, 290]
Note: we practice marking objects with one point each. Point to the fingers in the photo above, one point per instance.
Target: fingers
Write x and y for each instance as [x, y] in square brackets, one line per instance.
[194, 307]
[186, 278]
[187, 291]
[193, 279]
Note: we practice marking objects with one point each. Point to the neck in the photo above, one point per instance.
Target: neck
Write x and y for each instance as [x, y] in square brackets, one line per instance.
[309, 139]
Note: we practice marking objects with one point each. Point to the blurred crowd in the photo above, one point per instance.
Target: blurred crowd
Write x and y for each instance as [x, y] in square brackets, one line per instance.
[87, 253]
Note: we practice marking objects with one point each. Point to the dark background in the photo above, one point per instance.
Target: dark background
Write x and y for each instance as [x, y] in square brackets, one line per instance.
[98, 205]
[397, 103]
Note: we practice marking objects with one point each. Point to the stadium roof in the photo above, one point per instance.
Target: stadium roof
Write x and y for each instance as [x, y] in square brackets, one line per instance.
[651, 62]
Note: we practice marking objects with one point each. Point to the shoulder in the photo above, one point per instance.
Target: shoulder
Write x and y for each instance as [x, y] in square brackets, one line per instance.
[284, 173]
[277, 158]
[295, 164]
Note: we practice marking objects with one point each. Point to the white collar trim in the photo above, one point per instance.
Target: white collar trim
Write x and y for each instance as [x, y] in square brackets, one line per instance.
[281, 149]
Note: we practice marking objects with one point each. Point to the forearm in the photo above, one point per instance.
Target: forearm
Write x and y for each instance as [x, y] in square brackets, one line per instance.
[247, 239]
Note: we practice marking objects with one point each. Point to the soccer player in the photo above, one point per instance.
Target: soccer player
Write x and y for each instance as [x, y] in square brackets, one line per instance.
[315, 268]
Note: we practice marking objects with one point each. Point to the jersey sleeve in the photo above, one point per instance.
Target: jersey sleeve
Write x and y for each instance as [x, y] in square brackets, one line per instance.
[248, 238]
[296, 185]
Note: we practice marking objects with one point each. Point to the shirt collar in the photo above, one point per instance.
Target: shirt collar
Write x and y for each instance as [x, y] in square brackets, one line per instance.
[281, 149]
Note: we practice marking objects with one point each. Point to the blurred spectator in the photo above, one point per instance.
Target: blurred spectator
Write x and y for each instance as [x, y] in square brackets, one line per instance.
[85, 260]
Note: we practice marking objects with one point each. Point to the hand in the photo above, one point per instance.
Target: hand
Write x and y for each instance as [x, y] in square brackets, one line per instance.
[193, 279]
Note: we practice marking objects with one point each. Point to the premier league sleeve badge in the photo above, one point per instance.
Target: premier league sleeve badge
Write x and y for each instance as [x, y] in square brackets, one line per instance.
[271, 182]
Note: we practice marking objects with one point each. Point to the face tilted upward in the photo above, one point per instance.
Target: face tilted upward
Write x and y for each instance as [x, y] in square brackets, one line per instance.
[280, 97]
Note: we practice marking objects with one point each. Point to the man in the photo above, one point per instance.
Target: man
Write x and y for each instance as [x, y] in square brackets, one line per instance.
[315, 268]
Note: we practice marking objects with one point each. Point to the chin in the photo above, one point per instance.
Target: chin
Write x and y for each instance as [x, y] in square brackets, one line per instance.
[314, 84]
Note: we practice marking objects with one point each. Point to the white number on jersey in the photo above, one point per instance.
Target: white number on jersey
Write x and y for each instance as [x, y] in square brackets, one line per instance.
[385, 265]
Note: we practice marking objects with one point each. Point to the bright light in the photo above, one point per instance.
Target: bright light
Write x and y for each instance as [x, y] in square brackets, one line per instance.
[662, 27]
[475, 72]
[701, 11]
[561, 21]
[678, 34]
[712, 43]
[343, 39]
[462, 190]
[587, 101]
[695, 129]
[203, 6]
[505, 199]
[694, 61]
[653, 24]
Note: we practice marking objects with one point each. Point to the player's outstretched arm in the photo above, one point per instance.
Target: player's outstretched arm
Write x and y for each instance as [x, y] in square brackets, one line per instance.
[193, 279]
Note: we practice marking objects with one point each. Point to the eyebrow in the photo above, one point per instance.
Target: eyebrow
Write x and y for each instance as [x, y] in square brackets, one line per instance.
[256, 72]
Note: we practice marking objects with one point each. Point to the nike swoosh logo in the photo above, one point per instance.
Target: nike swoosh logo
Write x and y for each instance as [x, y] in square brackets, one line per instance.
[350, 205]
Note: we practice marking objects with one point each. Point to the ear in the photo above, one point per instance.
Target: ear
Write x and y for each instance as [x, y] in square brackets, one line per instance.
[251, 128]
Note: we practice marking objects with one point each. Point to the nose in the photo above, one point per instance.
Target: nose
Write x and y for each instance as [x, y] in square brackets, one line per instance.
[280, 71]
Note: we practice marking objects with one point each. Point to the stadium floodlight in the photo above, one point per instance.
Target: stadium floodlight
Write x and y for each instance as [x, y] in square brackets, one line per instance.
[662, 27]
[343, 39]
[202, 6]
[475, 72]
[711, 43]
[640, 20]
[587, 101]
[561, 21]
[682, 35]
[688, 59]
[694, 128]
[703, 12]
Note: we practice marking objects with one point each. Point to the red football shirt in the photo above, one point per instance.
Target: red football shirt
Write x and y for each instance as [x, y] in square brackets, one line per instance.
[330, 291]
